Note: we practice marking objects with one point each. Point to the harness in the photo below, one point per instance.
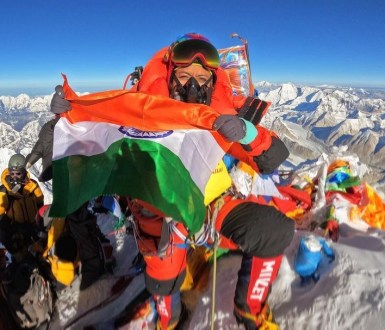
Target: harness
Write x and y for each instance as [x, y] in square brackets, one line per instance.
[172, 234]
[151, 245]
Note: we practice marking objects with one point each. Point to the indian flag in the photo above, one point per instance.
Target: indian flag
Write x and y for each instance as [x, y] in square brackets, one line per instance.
[107, 145]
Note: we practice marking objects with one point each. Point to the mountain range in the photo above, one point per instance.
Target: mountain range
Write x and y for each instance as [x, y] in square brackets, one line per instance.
[316, 120]
[310, 120]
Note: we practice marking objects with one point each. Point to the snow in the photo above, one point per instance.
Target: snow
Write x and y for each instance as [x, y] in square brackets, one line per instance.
[349, 295]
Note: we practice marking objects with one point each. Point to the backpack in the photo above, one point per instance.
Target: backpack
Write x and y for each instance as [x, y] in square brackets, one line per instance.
[64, 259]
[28, 294]
[76, 246]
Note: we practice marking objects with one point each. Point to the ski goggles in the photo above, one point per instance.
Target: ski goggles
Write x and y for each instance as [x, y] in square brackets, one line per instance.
[14, 173]
[185, 52]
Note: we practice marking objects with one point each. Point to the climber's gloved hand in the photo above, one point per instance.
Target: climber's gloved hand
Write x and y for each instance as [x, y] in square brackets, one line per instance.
[235, 129]
[231, 127]
[58, 103]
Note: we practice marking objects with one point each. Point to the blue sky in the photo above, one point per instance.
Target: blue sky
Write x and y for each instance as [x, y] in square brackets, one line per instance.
[98, 42]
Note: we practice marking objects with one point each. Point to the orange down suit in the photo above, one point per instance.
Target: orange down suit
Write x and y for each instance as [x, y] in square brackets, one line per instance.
[154, 81]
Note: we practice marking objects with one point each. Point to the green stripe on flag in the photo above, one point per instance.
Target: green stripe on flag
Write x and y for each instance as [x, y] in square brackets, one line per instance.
[138, 168]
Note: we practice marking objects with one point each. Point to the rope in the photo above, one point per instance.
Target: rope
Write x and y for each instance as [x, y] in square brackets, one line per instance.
[215, 237]
[213, 294]
[201, 241]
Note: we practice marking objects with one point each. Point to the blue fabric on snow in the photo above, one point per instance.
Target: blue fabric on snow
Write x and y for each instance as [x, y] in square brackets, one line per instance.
[311, 250]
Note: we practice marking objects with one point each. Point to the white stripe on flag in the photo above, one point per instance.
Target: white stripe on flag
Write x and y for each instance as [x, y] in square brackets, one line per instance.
[197, 149]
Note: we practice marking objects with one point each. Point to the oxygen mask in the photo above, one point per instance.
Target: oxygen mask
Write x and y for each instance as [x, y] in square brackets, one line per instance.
[191, 91]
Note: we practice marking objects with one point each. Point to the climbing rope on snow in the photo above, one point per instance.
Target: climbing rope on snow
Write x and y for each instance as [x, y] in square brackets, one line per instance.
[213, 294]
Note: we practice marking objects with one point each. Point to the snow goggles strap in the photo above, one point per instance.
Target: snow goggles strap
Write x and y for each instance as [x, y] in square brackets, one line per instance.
[184, 53]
